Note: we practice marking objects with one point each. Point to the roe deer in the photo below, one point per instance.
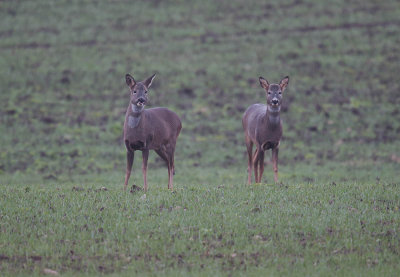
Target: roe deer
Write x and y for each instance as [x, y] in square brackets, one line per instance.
[263, 127]
[149, 129]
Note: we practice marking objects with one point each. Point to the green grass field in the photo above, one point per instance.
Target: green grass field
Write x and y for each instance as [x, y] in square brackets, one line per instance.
[63, 99]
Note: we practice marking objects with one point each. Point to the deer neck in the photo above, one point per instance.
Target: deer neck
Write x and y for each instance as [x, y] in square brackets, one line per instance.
[273, 117]
[134, 115]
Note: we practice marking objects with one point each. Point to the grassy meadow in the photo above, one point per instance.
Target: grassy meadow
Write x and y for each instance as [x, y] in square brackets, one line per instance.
[63, 97]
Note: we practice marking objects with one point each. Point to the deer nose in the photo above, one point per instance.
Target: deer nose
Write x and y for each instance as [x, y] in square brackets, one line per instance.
[275, 101]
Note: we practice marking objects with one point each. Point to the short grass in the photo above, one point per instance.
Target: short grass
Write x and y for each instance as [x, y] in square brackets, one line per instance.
[212, 223]
[223, 227]
[62, 104]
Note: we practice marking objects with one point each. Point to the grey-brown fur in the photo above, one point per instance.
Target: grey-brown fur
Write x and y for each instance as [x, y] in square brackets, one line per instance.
[263, 127]
[149, 129]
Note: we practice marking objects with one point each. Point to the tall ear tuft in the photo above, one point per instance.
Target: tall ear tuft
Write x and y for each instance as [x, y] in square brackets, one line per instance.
[149, 81]
[284, 82]
[130, 81]
[264, 83]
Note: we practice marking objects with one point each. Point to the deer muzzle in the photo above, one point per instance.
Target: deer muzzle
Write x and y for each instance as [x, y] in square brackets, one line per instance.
[141, 102]
[275, 101]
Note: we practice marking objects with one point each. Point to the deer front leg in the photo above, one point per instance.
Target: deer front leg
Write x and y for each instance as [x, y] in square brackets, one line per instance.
[275, 152]
[249, 146]
[255, 164]
[145, 155]
[129, 163]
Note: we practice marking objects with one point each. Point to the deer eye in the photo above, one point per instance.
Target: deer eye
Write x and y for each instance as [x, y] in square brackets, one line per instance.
[269, 93]
[280, 92]
[134, 91]
[145, 91]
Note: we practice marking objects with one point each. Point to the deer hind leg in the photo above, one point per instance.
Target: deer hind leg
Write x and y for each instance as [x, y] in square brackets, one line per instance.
[173, 145]
[249, 146]
[275, 152]
[166, 156]
[145, 155]
[258, 161]
[171, 166]
[261, 165]
[129, 163]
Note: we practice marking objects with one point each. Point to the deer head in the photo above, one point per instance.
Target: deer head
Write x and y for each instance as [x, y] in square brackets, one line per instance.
[138, 92]
[274, 93]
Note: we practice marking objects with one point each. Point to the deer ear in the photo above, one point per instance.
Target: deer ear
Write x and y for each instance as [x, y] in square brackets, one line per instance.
[130, 81]
[264, 83]
[284, 82]
[149, 81]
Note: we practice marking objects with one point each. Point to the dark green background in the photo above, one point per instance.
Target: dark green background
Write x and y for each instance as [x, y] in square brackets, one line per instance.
[63, 94]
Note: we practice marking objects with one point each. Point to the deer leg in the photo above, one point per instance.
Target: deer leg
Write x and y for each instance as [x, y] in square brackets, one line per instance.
[163, 154]
[261, 165]
[275, 152]
[255, 164]
[249, 146]
[145, 155]
[173, 163]
[129, 163]
[170, 178]
[170, 156]
[173, 145]
[171, 170]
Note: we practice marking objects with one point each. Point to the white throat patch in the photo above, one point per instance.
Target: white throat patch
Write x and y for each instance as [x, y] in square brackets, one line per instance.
[136, 108]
